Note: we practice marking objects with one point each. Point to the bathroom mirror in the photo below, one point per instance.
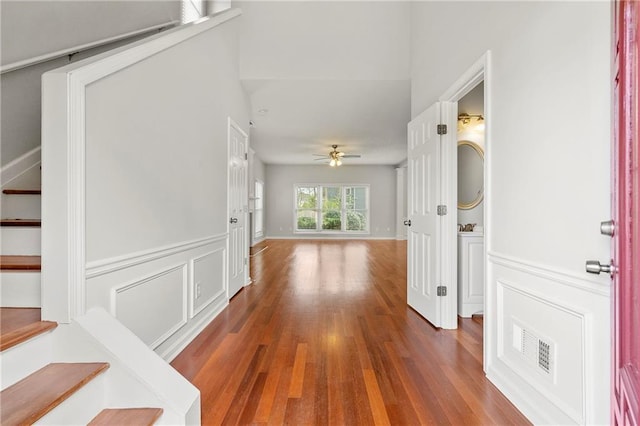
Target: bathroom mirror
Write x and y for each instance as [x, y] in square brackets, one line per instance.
[470, 175]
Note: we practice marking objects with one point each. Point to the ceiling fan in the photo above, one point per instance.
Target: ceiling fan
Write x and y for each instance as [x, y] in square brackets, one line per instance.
[335, 157]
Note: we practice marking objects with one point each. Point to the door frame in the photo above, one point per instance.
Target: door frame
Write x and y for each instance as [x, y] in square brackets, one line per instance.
[476, 73]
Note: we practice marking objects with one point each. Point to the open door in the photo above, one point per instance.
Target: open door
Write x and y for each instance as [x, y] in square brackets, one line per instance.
[626, 225]
[238, 208]
[431, 283]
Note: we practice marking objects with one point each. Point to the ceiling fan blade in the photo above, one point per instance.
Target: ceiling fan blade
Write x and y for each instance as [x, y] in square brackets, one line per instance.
[319, 155]
[351, 156]
[320, 159]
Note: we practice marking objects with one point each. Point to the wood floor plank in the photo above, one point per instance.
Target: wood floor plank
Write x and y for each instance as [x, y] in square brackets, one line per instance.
[297, 379]
[325, 337]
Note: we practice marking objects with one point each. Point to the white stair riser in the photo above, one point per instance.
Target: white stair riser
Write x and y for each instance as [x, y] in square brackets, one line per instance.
[21, 206]
[80, 407]
[20, 240]
[20, 289]
[19, 361]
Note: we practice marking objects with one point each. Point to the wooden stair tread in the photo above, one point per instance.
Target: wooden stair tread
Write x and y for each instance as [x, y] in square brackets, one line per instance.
[21, 222]
[20, 263]
[34, 396]
[22, 191]
[127, 416]
[18, 325]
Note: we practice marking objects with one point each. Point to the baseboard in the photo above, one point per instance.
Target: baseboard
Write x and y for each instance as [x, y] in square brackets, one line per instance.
[171, 352]
[326, 237]
[520, 399]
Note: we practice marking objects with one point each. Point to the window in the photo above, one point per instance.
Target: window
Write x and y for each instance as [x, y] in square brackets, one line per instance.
[258, 210]
[192, 10]
[332, 208]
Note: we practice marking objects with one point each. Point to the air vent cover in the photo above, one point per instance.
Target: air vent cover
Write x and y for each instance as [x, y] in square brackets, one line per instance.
[537, 352]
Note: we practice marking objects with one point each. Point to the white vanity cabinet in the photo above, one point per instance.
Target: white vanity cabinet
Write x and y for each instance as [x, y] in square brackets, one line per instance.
[470, 273]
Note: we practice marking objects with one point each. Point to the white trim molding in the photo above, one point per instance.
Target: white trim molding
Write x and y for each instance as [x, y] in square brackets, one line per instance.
[63, 150]
[20, 165]
[107, 266]
[560, 309]
[479, 71]
[83, 47]
[586, 283]
[183, 268]
[193, 310]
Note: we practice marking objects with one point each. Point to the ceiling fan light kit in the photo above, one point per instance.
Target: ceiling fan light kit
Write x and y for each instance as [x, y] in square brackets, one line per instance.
[335, 157]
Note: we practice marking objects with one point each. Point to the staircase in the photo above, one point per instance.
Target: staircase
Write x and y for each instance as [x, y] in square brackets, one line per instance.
[36, 381]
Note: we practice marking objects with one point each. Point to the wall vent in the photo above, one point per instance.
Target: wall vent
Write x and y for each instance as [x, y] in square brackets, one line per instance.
[544, 358]
[537, 352]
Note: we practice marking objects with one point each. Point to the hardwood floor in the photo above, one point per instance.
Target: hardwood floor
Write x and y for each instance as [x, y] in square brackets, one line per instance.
[324, 336]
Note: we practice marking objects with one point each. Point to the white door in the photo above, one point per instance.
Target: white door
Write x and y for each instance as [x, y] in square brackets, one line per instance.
[238, 207]
[432, 232]
[423, 231]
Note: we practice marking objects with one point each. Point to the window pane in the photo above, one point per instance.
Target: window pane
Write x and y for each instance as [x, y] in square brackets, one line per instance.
[331, 220]
[258, 194]
[307, 198]
[360, 195]
[306, 219]
[331, 198]
[356, 198]
[356, 220]
[258, 223]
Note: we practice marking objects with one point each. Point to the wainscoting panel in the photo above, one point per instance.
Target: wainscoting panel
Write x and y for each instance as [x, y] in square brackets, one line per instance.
[148, 306]
[548, 341]
[207, 280]
[155, 293]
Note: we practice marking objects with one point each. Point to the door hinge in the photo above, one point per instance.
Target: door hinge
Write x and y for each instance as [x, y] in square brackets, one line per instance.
[442, 129]
[441, 290]
[442, 210]
[246, 156]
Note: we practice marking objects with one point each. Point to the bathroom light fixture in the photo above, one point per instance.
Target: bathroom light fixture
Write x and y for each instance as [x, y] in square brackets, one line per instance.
[466, 118]
[472, 122]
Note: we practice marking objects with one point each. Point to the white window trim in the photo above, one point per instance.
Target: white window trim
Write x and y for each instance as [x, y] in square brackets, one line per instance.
[318, 209]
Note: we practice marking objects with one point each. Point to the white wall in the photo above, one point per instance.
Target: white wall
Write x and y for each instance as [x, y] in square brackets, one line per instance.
[155, 135]
[327, 41]
[29, 29]
[548, 188]
[279, 190]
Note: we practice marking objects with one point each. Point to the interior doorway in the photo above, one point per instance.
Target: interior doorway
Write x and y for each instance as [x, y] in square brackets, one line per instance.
[432, 286]
[470, 200]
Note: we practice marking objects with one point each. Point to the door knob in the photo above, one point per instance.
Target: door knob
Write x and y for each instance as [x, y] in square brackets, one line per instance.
[594, 267]
[407, 222]
[608, 228]
[233, 220]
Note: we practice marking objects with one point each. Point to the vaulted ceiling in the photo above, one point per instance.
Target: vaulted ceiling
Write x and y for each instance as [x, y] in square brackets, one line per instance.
[324, 73]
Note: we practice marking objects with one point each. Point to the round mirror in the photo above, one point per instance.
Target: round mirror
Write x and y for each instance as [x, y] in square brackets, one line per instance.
[470, 175]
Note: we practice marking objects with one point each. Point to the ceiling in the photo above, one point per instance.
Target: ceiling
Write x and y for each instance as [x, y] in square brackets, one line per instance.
[324, 73]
